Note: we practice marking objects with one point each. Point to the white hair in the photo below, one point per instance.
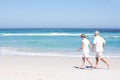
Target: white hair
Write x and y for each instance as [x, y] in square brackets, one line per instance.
[97, 32]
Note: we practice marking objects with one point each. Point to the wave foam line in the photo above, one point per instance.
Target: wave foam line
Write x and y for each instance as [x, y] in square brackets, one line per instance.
[53, 34]
[115, 36]
[42, 34]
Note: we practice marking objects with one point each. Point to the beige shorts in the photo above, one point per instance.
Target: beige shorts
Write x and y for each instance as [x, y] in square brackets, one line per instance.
[86, 55]
[99, 55]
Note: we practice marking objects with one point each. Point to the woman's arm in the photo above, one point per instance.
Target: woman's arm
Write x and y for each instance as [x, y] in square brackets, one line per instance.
[81, 47]
[92, 47]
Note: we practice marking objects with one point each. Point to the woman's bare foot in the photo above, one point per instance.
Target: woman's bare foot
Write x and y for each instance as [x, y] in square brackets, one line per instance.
[82, 68]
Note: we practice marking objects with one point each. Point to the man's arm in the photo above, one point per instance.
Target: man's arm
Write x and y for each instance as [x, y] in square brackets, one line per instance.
[103, 45]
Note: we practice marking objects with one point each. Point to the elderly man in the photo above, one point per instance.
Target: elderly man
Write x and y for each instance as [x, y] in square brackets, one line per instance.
[99, 43]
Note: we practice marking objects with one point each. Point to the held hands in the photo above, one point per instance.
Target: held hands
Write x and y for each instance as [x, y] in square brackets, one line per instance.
[92, 49]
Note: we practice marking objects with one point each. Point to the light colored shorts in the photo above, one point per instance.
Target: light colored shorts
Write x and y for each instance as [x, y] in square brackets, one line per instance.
[99, 55]
[86, 55]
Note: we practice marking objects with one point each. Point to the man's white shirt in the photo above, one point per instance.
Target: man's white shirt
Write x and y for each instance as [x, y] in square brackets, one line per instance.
[98, 41]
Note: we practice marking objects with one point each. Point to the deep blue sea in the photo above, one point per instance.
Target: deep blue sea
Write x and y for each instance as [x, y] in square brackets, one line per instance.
[54, 41]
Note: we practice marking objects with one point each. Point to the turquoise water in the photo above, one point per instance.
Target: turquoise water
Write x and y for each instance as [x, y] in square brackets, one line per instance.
[54, 41]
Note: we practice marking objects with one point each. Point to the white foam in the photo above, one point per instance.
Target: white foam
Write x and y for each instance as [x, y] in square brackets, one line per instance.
[42, 34]
[115, 36]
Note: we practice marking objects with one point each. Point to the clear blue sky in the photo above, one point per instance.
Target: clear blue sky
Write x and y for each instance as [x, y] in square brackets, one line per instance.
[59, 13]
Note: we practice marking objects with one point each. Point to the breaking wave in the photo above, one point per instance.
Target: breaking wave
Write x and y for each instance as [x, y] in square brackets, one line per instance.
[42, 34]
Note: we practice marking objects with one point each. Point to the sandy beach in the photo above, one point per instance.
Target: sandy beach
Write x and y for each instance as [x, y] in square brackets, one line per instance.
[54, 68]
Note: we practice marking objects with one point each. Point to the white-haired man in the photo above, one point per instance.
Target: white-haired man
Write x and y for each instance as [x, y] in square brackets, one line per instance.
[99, 43]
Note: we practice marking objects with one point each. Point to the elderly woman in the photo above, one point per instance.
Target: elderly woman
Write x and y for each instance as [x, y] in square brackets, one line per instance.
[85, 47]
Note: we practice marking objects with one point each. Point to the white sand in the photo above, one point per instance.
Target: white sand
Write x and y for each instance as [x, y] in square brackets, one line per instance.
[54, 68]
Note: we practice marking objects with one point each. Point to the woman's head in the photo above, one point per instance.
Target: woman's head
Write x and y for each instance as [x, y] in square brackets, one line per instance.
[83, 36]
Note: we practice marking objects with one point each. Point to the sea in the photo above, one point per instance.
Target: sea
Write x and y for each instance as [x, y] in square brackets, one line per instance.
[62, 42]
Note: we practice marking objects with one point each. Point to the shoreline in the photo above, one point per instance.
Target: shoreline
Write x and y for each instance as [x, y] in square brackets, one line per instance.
[57, 55]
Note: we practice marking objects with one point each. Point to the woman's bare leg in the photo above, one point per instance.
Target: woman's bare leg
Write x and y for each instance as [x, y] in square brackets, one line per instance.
[89, 61]
[83, 63]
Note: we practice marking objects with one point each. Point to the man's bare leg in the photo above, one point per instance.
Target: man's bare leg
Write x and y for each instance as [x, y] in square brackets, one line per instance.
[97, 61]
[103, 59]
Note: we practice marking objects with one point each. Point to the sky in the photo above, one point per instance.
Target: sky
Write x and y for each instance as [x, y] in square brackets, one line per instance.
[59, 13]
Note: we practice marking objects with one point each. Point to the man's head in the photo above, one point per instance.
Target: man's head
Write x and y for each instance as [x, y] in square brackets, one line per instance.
[83, 36]
[97, 33]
